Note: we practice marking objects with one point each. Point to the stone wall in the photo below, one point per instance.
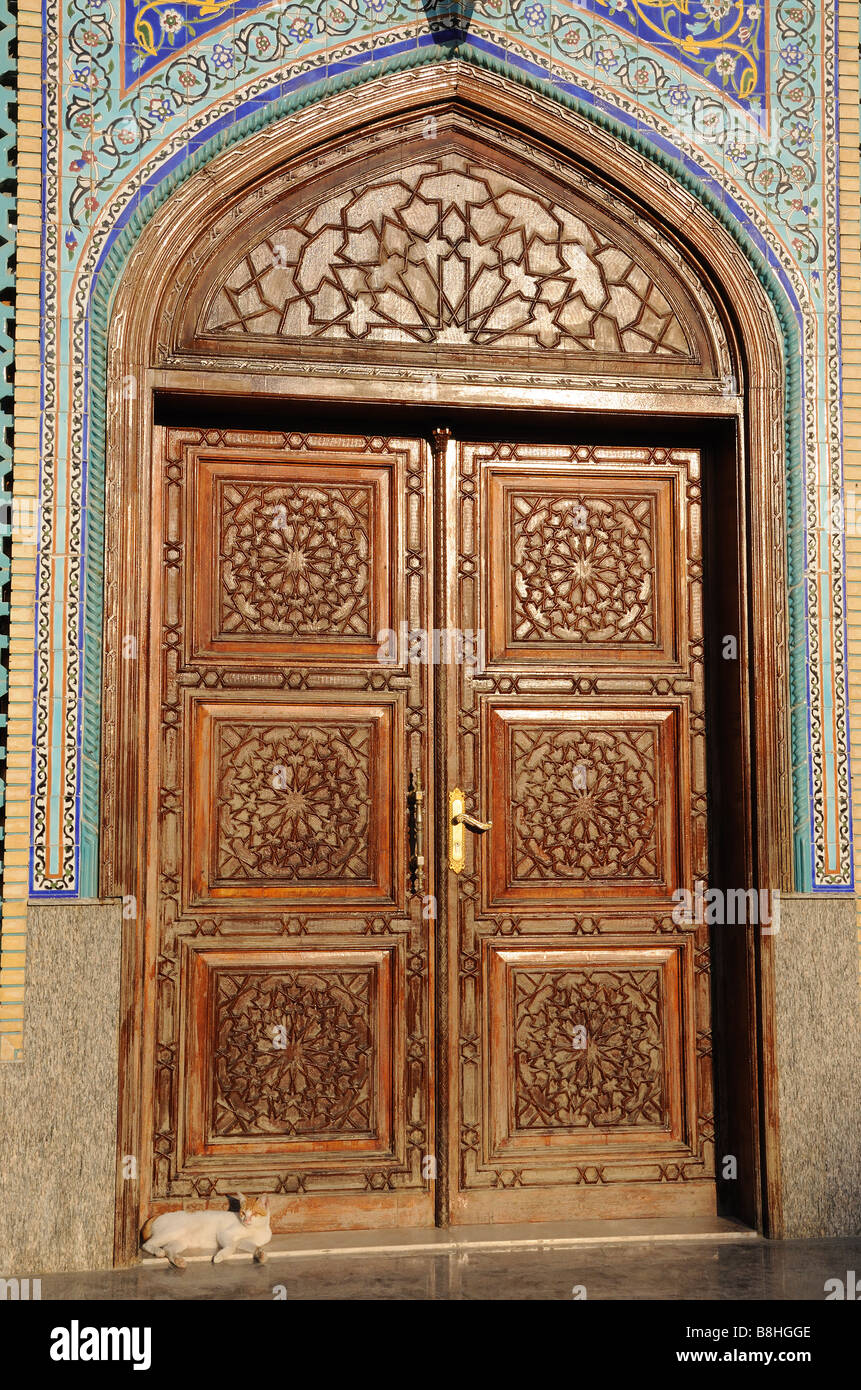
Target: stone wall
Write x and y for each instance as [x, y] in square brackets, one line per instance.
[58, 1106]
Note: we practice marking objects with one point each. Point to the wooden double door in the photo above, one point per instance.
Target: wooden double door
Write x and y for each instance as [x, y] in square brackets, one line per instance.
[376, 1011]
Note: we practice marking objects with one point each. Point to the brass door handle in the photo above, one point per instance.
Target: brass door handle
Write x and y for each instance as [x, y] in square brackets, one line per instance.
[479, 826]
[459, 819]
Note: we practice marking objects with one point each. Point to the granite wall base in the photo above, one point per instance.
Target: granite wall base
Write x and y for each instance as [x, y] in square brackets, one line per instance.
[58, 1105]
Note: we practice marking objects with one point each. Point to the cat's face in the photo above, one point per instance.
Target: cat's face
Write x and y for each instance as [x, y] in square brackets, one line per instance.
[255, 1209]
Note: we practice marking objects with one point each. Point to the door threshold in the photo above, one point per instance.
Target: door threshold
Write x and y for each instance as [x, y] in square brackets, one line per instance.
[465, 1239]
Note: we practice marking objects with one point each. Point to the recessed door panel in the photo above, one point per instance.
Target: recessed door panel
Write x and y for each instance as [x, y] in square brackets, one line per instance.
[293, 1053]
[582, 567]
[292, 802]
[589, 800]
[591, 1038]
[291, 559]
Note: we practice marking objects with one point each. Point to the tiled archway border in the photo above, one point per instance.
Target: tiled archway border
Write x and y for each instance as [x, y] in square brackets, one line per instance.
[119, 245]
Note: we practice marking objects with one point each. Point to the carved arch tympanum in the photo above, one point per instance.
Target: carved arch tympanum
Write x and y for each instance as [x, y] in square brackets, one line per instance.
[518, 256]
[468, 246]
[459, 248]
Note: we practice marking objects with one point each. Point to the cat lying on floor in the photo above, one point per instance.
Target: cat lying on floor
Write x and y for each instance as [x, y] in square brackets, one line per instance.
[244, 1227]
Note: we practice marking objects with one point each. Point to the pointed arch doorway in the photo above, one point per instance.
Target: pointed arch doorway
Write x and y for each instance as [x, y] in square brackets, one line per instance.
[520, 1027]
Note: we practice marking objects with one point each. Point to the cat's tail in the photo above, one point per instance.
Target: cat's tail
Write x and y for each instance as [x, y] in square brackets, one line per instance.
[146, 1230]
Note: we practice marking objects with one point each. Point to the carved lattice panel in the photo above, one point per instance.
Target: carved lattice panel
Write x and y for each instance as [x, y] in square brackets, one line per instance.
[592, 1043]
[322, 1086]
[445, 251]
[587, 800]
[582, 568]
[446, 247]
[615, 1079]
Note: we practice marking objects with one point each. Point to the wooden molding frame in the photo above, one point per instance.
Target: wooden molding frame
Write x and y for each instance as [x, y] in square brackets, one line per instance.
[145, 344]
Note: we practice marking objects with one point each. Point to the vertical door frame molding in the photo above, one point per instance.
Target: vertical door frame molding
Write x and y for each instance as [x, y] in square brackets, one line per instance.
[149, 299]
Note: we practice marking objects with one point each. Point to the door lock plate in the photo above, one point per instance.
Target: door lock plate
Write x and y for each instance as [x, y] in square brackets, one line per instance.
[456, 831]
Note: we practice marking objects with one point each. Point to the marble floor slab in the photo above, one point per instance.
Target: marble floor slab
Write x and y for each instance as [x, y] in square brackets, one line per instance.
[719, 1266]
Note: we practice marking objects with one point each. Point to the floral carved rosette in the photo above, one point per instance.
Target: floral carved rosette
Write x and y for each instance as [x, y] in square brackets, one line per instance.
[615, 1077]
[584, 803]
[293, 1053]
[292, 801]
[295, 560]
[597, 584]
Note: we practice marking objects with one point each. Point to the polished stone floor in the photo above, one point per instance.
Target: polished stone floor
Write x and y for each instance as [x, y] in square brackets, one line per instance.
[747, 1269]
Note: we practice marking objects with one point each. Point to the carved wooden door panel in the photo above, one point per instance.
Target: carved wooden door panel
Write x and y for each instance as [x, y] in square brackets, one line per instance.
[290, 970]
[576, 1007]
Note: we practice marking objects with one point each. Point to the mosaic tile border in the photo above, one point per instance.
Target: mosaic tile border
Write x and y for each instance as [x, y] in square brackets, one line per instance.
[8, 179]
[66, 816]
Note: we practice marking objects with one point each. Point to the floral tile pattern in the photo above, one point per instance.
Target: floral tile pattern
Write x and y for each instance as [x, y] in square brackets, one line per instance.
[723, 41]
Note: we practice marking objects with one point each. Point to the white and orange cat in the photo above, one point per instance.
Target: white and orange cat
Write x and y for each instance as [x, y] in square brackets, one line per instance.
[244, 1227]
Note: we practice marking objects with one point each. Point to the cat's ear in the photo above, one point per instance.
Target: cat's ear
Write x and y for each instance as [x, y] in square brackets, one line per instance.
[236, 1201]
[265, 1201]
